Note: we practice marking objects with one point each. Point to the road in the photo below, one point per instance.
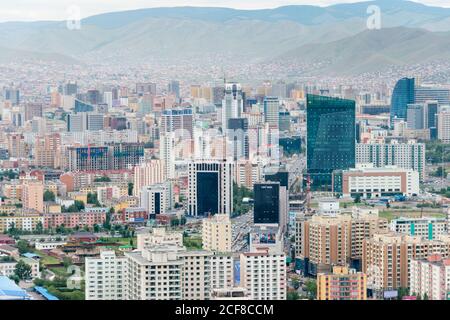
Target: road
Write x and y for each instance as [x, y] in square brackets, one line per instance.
[240, 227]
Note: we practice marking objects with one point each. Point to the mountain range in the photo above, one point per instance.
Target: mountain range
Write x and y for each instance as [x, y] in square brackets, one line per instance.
[335, 35]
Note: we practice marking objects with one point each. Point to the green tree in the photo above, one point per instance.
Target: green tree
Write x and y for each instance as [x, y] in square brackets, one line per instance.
[49, 196]
[23, 246]
[293, 295]
[102, 179]
[440, 172]
[311, 288]
[357, 199]
[130, 188]
[22, 270]
[39, 228]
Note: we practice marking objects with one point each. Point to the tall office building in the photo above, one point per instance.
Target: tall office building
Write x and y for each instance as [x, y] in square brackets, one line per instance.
[232, 103]
[178, 120]
[284, 120]
[238, 136]
[266, 203]
[70, 89]
[108, 99]
[216, 233]
[174, 88]
[403, 94]
[331, 138]
[415, 116]
[425, 93]
[431, 110]
[272, 111]
[210, 187]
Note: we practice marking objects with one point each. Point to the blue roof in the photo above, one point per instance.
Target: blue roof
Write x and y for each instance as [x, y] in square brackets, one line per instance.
[44, 292]
[30, 255]
[9, 288]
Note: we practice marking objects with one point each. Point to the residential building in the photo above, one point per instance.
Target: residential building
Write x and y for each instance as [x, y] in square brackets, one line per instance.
[342, 284]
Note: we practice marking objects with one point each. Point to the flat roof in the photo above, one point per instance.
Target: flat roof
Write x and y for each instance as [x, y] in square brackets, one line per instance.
[9, 289]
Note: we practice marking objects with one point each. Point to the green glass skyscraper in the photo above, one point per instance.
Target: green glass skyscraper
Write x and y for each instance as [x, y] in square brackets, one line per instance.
[330, 138]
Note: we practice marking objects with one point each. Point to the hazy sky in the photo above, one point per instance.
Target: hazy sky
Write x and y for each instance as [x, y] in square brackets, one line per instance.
[26, 10]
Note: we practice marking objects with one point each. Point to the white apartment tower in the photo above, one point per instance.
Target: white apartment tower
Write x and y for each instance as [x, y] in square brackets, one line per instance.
[105, 277]
[263, 274]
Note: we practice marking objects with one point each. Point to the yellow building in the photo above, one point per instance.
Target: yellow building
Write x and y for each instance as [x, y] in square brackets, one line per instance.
[78, 196]
[216, 233]
[22, 221]
[342, 284]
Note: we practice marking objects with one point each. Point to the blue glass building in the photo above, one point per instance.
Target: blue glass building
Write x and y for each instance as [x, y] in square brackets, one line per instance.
[331, 138]
[403, 94]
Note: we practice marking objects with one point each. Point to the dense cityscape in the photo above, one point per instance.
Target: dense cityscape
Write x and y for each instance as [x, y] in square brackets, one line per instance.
[229, 181]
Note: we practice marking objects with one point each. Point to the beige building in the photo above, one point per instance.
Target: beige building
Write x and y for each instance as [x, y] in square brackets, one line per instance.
[47, 149]
[328, 241]
[148, 173]
[342, 284]
[216, 233]
[33, 193]
[387, 257]
[22, 220]
[148, 238]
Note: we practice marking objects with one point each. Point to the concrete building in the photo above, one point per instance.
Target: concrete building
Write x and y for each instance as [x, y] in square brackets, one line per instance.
[157, 198]
[147, 173]
[443, 126]
[272, 111]
[154, 274]
[210, 187]
[426, 227]
[216, 233]
[32, 197]
[409, 155]
[105, 277]
[148, 238]
[247, 173]
[386, 258]
[369, 182]
[430, 277]
[263, 275]
[342, 284]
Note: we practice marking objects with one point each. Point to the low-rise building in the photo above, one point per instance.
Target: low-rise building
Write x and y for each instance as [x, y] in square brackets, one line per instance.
[342, 284]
